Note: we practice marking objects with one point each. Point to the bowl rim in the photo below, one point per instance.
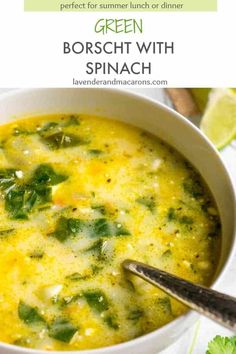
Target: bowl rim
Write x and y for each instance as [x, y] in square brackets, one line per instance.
[190, 314]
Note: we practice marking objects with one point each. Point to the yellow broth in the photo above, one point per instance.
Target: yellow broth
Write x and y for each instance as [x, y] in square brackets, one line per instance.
[79, 194]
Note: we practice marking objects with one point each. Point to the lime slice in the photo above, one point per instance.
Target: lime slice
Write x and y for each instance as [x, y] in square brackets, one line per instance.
[200, 96]
[219, 119]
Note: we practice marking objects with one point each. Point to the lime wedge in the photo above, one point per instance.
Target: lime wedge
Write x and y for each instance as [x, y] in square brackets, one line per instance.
[200, 96]
[219, 119]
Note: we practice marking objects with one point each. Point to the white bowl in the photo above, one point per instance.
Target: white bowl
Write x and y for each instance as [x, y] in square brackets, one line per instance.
[165, 124]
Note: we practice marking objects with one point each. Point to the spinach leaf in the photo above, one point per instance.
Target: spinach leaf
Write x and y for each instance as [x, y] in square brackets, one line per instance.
[167, 254]
[186, 220]
[97, 300]
[22, 131]
[148, 202]
[37, 254]
[65, 228]
[111, 321]
[20, 199]
[135, 314]
[100, 208]
[104, 228]
[62, 330]
[193, 187]
[95, 152]
[99, 249]
[45, 174]
[176, 215]
[4, 233]
[171, 214]
[8, 178]
[165, 304]
[49, 127]
[61, 140]
[71, 120]
[100, 228]
[28, 314]
[97, 228]
[77, 276]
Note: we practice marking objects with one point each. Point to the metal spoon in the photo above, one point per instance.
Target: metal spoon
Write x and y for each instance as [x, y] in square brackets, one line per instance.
[210, 303]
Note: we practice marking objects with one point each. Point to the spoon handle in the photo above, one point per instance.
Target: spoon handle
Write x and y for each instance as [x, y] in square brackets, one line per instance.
[217, 306]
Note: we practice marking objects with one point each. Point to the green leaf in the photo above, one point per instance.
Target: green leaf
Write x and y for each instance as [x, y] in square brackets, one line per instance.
[100, 228]
[97, 228]
[186, 220]
[175, 215]
[165, 304]
[65, 228]
[45, 174]
[7, 178]
[95, 152]
[61, 140]
[120, 230]
[111, 321]
[4, 233]
[62, 330]
[97, 300]
[222, 345]
[28, 314]
[37, 254]
[104, 228]
[21, 131]
[135, 314]
[193, 187]
[100, 208]
[148, 202]
[166, 254]
[20, 199]
[71, 120]
[76, 277]
[171, 214]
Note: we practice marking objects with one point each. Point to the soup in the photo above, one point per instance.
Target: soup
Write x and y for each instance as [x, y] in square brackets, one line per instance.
[79, 194]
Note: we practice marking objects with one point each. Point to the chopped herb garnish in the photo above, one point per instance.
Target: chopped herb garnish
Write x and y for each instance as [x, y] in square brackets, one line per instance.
[62, 330]
[28, 314]
[222, 345]
[97, 300]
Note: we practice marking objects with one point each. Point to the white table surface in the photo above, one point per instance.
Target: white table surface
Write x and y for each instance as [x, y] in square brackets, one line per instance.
[195, 340]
